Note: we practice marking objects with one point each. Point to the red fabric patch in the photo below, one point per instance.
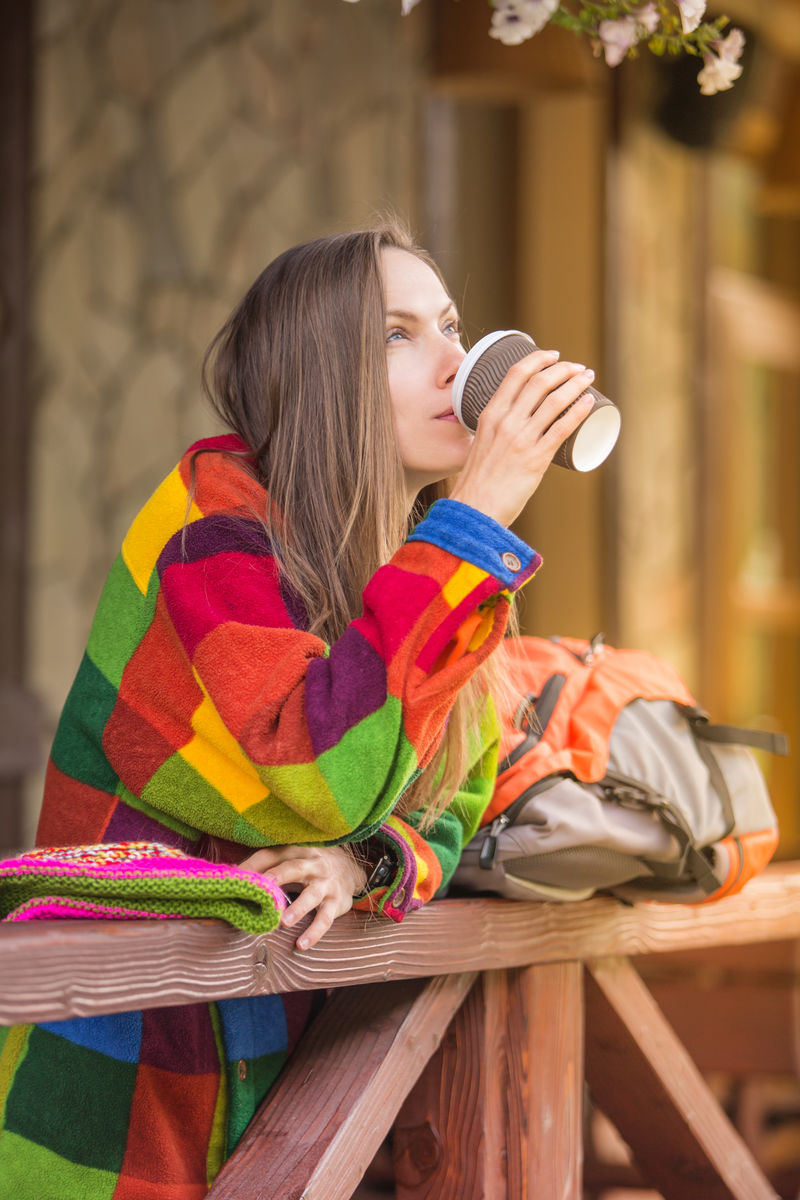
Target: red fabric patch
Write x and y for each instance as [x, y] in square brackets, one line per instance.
[158, 682]
[72, 811]
[400, 597]
[168, 1136]
[256, 676]
[220, 589]
[219, 484]
[133, 747]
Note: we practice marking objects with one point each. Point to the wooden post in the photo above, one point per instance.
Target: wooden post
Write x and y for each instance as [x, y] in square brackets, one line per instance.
[645, 1082]
[334, 1102]
[497, 1113]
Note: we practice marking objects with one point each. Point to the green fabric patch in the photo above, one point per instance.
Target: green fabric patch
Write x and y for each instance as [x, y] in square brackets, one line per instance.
[274, 821]
[32, 1172]
[74, 1100]
[128, 797]
[123, 617]
[77, 748]
[355, 768]
[246, 1095]
[177, 787]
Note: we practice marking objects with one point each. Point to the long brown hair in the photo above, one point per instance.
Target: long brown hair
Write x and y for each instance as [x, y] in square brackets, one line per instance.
[299, 373]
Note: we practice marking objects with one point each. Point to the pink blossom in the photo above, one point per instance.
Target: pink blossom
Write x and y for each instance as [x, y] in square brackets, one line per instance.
[648, 17]
[616, 38]
[692, 13]
[722, 67]
[514, 21]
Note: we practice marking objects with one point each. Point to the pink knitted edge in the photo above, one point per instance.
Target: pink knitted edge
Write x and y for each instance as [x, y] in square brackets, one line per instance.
[46, 908]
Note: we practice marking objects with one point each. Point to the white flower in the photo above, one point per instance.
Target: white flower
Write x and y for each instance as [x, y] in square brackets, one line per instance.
[648, 17]
[722, 67]
[514, 21]
[617, 37]
[692, 13]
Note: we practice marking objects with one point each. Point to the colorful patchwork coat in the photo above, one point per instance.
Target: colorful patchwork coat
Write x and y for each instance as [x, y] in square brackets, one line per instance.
[203, 708]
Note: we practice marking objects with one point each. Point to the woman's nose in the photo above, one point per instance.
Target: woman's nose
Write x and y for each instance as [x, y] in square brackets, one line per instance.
[452, 358]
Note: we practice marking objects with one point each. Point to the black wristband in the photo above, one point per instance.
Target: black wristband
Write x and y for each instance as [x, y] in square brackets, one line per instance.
[381, 873]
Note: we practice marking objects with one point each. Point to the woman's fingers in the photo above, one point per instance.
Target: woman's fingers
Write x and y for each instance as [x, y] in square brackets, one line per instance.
[557, 402]
[318, 927]
[328, 877]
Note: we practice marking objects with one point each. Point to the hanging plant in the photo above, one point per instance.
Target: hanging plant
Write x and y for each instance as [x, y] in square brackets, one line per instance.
[618, 28]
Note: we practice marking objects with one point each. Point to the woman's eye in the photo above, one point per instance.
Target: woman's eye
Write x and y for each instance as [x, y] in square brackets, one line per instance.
[395, 335]
[453, 328]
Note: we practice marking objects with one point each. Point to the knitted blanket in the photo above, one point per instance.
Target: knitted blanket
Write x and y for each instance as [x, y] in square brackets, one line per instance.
[135, 880]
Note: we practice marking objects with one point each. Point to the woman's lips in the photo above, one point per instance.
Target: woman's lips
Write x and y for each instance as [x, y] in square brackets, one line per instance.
[447, 416]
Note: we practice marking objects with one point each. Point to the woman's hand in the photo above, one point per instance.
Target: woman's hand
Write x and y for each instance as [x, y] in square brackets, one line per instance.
[328, 877]
[519, 431]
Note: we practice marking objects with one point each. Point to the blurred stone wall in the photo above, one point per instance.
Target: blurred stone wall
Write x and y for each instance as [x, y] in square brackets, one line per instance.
[180, 145]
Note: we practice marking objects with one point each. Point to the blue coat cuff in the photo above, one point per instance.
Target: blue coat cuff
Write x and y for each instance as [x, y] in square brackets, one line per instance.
[479, 539]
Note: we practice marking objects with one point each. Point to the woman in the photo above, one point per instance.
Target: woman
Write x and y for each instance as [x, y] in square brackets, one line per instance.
[290, 667]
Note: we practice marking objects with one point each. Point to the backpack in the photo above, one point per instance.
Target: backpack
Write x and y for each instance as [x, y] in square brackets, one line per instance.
[612, 778]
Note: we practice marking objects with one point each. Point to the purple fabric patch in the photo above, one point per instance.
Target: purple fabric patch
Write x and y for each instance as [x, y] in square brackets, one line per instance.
[212, 535]
[179, 1039]
[343, 689]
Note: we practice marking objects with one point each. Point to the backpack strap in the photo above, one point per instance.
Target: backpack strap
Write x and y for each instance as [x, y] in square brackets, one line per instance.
[532, 717]
[626, 790]
[731, 735]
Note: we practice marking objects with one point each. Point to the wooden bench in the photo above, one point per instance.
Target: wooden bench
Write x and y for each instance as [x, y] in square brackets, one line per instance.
[470, 1030]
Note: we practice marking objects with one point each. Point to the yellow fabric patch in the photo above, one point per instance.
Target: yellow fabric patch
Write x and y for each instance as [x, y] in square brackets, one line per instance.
[216, 754]
[16, 1042]
[145, 539]
[219, 1126]
[483, 630]
[460, 584]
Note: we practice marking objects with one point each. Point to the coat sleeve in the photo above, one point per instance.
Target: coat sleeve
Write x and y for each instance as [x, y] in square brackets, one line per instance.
[232, 720]
[424, 863]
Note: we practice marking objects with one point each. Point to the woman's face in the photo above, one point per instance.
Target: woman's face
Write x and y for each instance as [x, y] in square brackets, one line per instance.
[423, 353]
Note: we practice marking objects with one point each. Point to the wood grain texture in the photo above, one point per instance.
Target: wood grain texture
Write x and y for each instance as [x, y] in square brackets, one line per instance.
[53, 970]
[545, 1050]
[644, 1080]
[440, 1139]
[337, 1098]
[497, 1113]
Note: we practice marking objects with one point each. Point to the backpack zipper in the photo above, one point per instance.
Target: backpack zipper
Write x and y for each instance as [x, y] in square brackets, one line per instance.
[488, 851]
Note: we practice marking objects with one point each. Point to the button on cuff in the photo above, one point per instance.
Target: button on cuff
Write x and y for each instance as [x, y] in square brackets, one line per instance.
[510, 561]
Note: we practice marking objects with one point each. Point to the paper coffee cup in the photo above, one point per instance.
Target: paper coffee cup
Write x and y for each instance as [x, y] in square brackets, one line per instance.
[482, 372]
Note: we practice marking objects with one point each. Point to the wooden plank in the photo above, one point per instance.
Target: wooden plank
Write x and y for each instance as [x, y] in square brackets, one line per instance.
[497, 1114]
[334, 1103]
[53, 970]
[544, 1049]
[440, 1142]
[646, 1083]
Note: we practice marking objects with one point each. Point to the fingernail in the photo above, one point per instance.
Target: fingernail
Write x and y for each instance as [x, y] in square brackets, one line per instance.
[288, 918]
[552, 353]
[588, 373]
[303, 943]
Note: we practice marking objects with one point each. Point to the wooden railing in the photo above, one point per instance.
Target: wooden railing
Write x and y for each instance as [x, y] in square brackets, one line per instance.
[489, 1017]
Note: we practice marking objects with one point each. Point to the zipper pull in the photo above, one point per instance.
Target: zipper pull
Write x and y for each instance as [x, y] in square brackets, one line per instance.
[596, 646]
[489, 847]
